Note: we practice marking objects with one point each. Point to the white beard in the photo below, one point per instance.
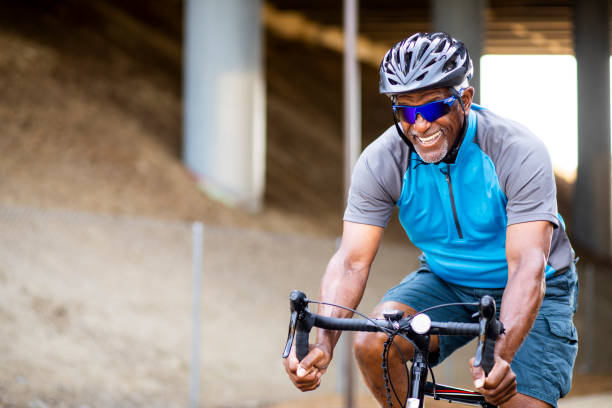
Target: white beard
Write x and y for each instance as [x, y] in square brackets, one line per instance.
[435, 156]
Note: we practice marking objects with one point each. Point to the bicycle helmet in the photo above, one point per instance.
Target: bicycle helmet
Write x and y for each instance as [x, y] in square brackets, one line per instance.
[425, 61]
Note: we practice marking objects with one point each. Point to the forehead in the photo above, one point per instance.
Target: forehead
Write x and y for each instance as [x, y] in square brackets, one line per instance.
[421, 97]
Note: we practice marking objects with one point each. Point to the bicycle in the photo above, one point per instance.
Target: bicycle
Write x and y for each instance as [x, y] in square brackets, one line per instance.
[417, 330]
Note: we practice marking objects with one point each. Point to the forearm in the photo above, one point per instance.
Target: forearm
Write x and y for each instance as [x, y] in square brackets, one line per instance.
[520, 305]
[343, 284]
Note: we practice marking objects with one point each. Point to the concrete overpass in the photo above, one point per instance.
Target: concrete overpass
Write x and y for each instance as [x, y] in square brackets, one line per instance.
[224, 141]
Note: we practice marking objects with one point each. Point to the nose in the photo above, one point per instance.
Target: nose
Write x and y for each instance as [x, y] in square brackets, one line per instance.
[420, 124]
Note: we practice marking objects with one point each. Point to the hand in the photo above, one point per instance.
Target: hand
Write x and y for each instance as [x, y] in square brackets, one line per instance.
[499, 386]
[306, 375]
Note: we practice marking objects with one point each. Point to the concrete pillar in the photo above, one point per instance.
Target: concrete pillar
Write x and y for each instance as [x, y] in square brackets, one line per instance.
[591, 218]
[224, 101]
[464, 20]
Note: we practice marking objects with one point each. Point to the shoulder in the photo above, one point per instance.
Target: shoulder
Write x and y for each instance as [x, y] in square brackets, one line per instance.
[500, 137]
[379, 172]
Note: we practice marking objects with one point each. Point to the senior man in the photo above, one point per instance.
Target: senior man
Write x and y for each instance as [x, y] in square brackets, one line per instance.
[476, 194]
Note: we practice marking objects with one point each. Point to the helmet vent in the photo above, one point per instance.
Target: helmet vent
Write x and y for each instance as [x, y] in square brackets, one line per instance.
[421, 52]
[450, 65]
[430, 63]
[393, 82]
[440, 46]
[420, 77]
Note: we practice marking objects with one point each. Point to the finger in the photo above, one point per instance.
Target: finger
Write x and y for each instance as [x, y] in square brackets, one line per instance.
[498, 373]
[312, 358]
[477, 376]
[504, 392]
[311, 376]
[291, 362]
[303, 372]
[311, 383]
[508, 396]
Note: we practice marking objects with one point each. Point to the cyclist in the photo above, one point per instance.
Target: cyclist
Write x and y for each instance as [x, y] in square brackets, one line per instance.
[476, 194]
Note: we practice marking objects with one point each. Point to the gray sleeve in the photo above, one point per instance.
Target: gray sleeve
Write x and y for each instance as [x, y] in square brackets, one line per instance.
[376, 183]
[528, 181]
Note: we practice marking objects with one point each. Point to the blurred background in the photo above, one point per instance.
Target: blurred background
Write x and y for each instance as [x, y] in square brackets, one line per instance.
[127, 125]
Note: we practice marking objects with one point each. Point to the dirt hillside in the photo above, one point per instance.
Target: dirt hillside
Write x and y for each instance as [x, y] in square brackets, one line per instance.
[92, 115]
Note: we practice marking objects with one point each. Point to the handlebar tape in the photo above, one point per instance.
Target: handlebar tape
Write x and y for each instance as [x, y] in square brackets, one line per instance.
[454, 329]
[338, 323]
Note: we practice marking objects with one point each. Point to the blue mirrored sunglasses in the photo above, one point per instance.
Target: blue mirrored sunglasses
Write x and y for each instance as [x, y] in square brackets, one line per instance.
[430, 111]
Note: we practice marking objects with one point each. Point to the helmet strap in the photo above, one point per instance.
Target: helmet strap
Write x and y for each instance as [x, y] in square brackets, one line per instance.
[401, 133]
[451, 155]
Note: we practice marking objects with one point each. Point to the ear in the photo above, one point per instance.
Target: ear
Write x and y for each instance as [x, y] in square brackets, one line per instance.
[466, 97]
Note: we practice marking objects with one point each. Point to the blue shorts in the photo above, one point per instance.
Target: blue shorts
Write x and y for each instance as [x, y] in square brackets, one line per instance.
[544, 362]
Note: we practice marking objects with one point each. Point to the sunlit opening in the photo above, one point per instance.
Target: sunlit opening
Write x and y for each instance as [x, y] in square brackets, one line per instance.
[540, 92]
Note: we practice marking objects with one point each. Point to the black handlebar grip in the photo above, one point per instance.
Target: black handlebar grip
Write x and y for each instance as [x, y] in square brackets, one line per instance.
[301, 344]
[488, 357]
[454, 328]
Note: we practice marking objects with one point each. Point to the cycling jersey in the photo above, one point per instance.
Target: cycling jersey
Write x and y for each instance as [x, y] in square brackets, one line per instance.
[457, 213]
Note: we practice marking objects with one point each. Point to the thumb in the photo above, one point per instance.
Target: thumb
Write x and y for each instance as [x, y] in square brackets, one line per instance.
[477, 375]
[307, 363]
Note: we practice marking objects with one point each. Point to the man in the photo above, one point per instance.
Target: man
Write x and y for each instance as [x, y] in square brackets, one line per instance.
[476, 193]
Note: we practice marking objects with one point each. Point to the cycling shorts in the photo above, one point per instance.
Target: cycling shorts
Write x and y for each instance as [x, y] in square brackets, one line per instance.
[544, 362]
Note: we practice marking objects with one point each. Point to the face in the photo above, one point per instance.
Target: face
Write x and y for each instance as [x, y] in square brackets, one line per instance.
[432, 140]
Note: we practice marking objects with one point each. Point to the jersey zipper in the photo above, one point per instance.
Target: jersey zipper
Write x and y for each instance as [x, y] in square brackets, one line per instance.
[452, 200]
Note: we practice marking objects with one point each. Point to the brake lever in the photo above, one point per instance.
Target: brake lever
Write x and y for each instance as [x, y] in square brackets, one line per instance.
[481, 342]
[298, 303]
[490, 329]
[290, 334]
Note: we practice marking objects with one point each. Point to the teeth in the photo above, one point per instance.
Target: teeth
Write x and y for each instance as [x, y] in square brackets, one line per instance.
[429, 139]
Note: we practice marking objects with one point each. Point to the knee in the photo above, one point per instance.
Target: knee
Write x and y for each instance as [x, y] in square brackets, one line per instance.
[368, 347]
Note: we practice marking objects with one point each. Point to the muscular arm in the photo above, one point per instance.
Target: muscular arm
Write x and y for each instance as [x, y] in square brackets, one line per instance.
[347, 273]
[343, 283]
[527, 248]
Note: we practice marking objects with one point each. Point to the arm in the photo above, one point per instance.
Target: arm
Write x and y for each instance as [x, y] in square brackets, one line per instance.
[527, 248]
[343, 283]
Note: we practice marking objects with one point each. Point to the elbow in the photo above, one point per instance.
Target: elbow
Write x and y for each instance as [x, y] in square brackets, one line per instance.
[531, 272]
[355, 266]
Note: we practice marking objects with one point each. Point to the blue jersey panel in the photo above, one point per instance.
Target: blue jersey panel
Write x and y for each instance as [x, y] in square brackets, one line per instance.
[456, 214]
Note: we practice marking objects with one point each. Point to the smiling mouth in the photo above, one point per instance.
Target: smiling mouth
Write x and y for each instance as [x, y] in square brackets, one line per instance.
[429, 140]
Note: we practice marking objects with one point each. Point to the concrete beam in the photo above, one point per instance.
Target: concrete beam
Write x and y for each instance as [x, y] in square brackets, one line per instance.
[591, 218]
[464, 20]
[224, 101]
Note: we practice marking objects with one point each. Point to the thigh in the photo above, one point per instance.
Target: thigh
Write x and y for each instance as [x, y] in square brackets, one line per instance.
[373, 342]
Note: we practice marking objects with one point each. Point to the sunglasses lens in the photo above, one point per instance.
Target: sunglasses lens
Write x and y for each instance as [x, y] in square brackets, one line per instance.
[433, 111]
[430, 111]
[405, 113]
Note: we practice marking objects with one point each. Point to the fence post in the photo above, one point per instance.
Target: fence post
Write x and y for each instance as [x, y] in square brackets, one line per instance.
[197, 232]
